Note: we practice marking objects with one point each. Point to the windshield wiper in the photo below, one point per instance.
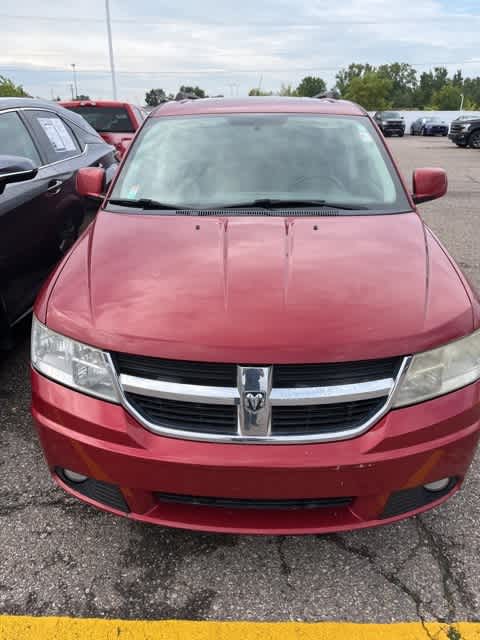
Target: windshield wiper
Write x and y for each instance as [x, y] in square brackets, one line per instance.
[143, 203]
[273, 203]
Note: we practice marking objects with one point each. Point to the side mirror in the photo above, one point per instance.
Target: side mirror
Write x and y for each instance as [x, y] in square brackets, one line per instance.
[15, 169]
[91, 182]
[429, 184]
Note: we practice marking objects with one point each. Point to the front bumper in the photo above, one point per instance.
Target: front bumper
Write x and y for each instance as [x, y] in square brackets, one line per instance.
[393, 129]
[436, 131]
[458, 138]
[406, 449]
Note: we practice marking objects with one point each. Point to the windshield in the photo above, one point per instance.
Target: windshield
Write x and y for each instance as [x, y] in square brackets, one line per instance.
[391, 114]
[434, 120]
[106, 119]
[215, 161]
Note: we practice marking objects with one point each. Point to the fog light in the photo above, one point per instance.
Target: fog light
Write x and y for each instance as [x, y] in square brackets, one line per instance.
[74, 476]
[438, 485]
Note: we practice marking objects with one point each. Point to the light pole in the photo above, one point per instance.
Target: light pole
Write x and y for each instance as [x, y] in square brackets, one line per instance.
[75, 80]
[110, 49]
[461, 102]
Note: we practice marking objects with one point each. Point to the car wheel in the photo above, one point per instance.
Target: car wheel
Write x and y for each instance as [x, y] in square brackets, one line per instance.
[400, 135]
[474, 139]
[424, 132]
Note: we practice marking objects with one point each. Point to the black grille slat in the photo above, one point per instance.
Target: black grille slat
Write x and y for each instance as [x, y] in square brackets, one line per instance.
[328, 374]
[245, 503]
[187, 416]
[284, 375]
[181, 371]
[319, 419]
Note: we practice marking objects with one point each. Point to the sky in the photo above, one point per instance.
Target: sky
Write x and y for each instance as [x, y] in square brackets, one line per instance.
[226, 46]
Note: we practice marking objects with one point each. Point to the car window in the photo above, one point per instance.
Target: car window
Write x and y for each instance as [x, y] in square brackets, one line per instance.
[214, 161]
[54, 135]
[106, 119]
[15, 140]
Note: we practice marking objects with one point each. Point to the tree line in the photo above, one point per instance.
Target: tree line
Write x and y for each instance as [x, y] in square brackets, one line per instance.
[396, 86]
[387, 86]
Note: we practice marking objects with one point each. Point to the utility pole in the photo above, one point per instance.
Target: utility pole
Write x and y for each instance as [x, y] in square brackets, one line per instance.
[71, 89]
[75, 81]
[461, 103]
[110, 49]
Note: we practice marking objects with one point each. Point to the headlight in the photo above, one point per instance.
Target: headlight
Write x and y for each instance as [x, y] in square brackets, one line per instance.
[72, 363]
[434, 373]
[465, 127]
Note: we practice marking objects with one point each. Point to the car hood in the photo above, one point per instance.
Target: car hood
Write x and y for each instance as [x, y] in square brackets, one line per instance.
[260, 289]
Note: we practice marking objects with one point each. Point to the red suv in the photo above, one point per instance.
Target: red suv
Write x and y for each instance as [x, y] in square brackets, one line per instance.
[258, 333]
[115, 121]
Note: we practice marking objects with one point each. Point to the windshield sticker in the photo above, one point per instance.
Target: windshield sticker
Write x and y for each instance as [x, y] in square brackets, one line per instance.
[58, 135]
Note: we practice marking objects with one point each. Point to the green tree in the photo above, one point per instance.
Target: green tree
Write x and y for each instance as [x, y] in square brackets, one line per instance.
[259, 92]
[345, 76]
[9, 89]
[449, 98]
[200, 93]
[154, 97]
[404, 82]
[287, 90]
[311, 86]
[371, 91]
[457, 79]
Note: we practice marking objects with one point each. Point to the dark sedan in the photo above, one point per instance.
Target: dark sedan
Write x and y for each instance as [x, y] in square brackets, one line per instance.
[429, 127]
[42, 146]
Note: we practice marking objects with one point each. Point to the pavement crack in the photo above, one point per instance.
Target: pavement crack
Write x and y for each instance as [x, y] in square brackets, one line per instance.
[438, 548]
[391, 577]
[285, 568]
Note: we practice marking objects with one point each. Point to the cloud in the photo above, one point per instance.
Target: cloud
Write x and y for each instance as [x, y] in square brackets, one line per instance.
[227, 47]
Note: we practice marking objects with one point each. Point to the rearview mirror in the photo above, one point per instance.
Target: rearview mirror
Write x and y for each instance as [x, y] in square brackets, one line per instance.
[429, 184]
[15, 169]
[91, 182]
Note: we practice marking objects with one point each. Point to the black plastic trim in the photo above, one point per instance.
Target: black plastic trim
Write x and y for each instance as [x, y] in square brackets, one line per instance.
[250, 503]
[103, 492]
[410, 499]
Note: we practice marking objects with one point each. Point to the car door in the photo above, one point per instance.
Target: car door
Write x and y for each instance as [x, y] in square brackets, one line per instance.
[21, 230]
[63, 155]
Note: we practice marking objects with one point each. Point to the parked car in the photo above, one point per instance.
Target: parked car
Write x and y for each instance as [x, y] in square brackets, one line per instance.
[429, 126]
[115, 121]
[466, 132]
[42, 146]
[390, 123]
[252, 340]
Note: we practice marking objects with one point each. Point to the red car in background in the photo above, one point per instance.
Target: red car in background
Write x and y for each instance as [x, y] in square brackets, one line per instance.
[115, 121]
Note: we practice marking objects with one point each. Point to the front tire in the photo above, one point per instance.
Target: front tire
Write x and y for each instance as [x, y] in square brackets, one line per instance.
[474, 139]
[424, 132]
[401, 134]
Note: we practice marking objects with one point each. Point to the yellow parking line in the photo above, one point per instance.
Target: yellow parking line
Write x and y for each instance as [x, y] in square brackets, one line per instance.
[38, 628]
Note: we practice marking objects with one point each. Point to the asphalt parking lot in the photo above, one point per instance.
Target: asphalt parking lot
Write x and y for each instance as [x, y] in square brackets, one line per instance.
[60, 557]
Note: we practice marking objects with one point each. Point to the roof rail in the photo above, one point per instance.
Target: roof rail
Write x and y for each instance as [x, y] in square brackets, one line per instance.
[330, 96]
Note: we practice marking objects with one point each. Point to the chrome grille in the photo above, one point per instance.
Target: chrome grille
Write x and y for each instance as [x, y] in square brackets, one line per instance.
[265, 404]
